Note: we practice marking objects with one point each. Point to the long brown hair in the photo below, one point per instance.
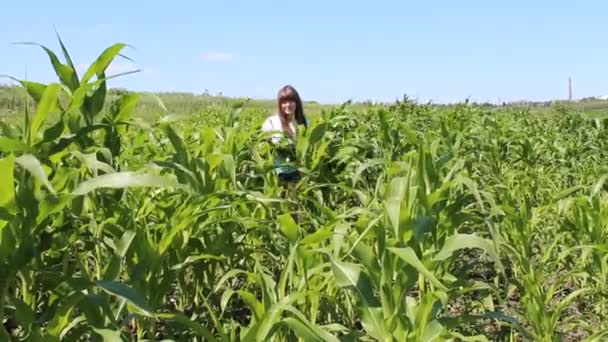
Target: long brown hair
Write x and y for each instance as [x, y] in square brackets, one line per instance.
[289, 93]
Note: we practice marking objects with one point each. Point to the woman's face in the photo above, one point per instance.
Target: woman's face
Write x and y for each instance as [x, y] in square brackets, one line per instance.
[288, 107]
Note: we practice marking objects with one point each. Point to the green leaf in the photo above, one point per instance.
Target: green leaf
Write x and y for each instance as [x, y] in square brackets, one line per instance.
[181, 156]
[318, 133]
[288, 227]
[123, 291]
[433, 331]
[125, 242]
[54, 131]
[66, 74]
[11, 131]
[226, 298]
[230, 274]
[109, 335]
[301, 330]
[369, 163]
[384, 125]
[93, 104]
[79, 96]
[564, 303]
[37, 336]
[122, 180]
[112, 270]
[93, 308]
[337, 241]
[80, 134]
[192, 259]
[67, 57]
[51, 205]
[48, 104]
[599, 185]
[91, 162]
[461, 241]
[254, 304]
[422, 225]
[7, 182]
[409, 256]
[103, 61]
[469, 183]
[195, 326]
[597, 336]
[271, 318]
[396, 206]
[229, 167]
[7, 241]
[32, 164]
[311, 328]
[169, 236]
[318, 236]
[23, 313]
[568, 192]
[350, 276]
[127, 105]
[34, 89]
[372, 321]
[365, 254]
[9, 145]
[61, 318]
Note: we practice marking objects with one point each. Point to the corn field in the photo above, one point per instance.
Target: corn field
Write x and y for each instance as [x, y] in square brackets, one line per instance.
[411, 222]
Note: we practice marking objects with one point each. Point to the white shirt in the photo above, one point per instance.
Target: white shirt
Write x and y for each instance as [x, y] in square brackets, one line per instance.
[273, 124]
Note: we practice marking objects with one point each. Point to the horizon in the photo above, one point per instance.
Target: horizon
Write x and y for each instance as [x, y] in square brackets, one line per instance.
[487, 53]
[237, 97]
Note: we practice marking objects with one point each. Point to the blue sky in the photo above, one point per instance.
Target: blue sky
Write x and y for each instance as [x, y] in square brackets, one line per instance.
[331, 51]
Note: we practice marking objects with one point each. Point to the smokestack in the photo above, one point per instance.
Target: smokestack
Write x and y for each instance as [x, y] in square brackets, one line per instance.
[569, 89]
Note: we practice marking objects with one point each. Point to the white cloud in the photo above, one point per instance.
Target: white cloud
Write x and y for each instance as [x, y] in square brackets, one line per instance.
[218, 56]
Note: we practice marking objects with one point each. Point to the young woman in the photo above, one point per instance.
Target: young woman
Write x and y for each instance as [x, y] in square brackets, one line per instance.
[290, 114]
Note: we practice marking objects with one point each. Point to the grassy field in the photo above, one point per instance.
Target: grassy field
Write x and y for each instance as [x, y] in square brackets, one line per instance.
[13, 101]
[120, 220]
